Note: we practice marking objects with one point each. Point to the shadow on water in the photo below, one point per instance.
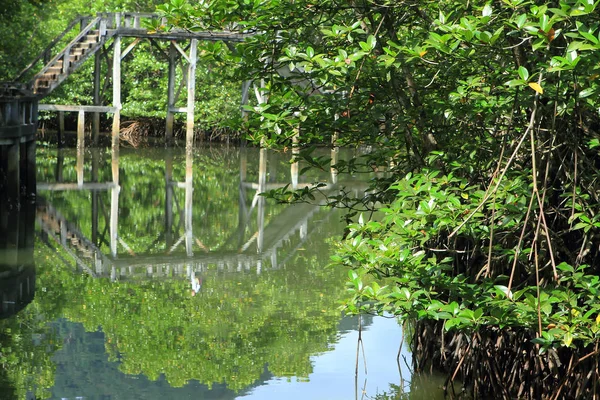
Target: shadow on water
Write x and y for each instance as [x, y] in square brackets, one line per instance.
[17, 268]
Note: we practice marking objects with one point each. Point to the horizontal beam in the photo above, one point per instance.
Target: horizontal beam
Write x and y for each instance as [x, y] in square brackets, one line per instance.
[76, 186]
[178, 109]
[75, 108]
[22, 133]
[180, 35]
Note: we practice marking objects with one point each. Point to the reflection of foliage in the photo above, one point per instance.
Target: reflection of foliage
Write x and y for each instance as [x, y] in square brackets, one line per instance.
[238, 325]
[26, 342]
[228, 333]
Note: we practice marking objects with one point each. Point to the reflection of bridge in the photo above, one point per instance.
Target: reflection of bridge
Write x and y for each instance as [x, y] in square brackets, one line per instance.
[258, 249]
[17, 270]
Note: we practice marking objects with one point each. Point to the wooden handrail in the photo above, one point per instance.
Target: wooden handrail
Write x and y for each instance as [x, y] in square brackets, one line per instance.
[67, 49]
[48, 48]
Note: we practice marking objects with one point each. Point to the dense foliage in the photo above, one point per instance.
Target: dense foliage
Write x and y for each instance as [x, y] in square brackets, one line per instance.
[31, 25]
[491, 109]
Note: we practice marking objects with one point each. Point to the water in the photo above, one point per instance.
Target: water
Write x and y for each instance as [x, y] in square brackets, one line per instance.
[161, 274]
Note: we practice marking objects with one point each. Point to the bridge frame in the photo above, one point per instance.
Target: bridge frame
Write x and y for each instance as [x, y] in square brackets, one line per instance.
[116, 26]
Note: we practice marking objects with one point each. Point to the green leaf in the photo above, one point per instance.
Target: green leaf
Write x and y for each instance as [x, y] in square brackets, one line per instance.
[371, 42]
[586, 93]
[487, 10]
[523, 73]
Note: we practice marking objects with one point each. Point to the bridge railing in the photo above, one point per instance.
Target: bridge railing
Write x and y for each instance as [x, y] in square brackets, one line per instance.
[45, 55]
[64, 55]
[18, 112]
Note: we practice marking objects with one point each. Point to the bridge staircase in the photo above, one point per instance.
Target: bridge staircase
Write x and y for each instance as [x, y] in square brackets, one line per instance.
[90, 38]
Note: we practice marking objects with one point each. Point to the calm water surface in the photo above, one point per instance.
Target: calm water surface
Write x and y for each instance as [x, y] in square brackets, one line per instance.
[156, 274]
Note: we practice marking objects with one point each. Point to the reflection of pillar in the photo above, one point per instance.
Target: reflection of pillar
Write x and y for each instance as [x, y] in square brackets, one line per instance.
[295, 152]
[169, 199]
[60, 160]
[95, 203]
[274, 259]
[188, 200]
[11, 238]
[17, 277]
[304, 229]
[191, 90]
[114, 202]
[242, 196]
[170, 95]
[262, 185]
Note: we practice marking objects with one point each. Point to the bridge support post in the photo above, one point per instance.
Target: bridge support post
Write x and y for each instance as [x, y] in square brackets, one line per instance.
[116, 76]
[61, 128]
[96, 115]
[295, 153]
[30, 168]
[191, 91]
[171, 95]
[335, 150]
[13, 177]
[80, 145]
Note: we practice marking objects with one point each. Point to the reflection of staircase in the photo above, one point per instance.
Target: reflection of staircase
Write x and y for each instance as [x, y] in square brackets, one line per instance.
[86, 43]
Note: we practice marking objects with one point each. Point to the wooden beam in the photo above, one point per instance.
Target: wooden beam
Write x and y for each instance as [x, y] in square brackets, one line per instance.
[295, 152]
[61, 126]
[130, 47]
[116, 127]
[171, 94]
[80, 145]
[80, 129]
[180, 35]
[55, 187]
[75, 108]
[96, 117]
[191, 92]
[180, 50]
